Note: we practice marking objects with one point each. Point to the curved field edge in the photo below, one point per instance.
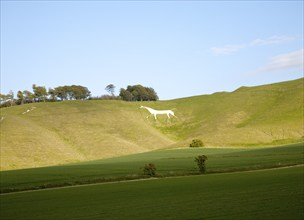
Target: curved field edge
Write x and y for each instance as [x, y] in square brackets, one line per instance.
[268, 194]
[136, 178]
[178, 162]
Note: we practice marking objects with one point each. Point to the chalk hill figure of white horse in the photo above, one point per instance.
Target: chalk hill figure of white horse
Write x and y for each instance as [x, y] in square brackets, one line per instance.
[158, 112]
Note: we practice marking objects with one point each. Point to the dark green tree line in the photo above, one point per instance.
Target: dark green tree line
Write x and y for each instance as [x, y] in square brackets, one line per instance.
[76, 92]
[138, 93]
[40, 94]
[70, 92]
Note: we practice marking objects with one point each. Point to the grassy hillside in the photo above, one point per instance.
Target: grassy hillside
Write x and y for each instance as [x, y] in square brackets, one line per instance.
[268, 114]
[73, 131]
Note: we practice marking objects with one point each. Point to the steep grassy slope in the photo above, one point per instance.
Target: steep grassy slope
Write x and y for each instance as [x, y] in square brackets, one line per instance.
[268, 114]
[71, 131]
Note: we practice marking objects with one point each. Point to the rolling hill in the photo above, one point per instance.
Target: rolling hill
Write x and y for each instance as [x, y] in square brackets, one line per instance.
[73, 131]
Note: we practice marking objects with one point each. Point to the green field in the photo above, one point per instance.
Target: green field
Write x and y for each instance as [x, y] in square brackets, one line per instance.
[172, 162]
[241, 183]
[76, 131]
[268, 194]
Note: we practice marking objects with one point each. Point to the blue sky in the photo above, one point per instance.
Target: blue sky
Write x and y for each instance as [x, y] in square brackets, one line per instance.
[179, 48]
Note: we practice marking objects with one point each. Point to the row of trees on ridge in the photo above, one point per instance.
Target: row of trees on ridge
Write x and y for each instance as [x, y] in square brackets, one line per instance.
[75, 92]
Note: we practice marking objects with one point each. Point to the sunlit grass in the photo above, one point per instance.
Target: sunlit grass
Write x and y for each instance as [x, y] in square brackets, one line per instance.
[73, 131]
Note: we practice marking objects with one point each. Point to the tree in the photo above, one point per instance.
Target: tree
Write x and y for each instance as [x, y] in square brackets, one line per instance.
[52, 93]
[125, 95]
[40, 92]
[28, 96]
[110, 89]
[138, 93]
[152, 95]
[10, 97]
[79, 92]
[149, 169]
[20, 97]
[196, 143]
[201, 163]
[5, 100]
[71, 92]
[61, 93]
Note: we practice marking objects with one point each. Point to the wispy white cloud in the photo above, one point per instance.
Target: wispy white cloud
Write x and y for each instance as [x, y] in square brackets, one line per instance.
[227, 49]
[292, 60]
[271, 40]
[232, 48]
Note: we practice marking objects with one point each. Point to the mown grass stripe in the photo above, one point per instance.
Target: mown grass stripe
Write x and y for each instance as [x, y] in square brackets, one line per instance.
[271, 194]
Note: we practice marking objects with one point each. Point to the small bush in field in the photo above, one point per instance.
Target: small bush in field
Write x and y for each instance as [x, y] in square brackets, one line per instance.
[200, 160]
[149, 169]
[196, 143]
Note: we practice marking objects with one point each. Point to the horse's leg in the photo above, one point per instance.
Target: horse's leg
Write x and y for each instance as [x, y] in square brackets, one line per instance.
[155, 116]
[173, 115]
[168, 115]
